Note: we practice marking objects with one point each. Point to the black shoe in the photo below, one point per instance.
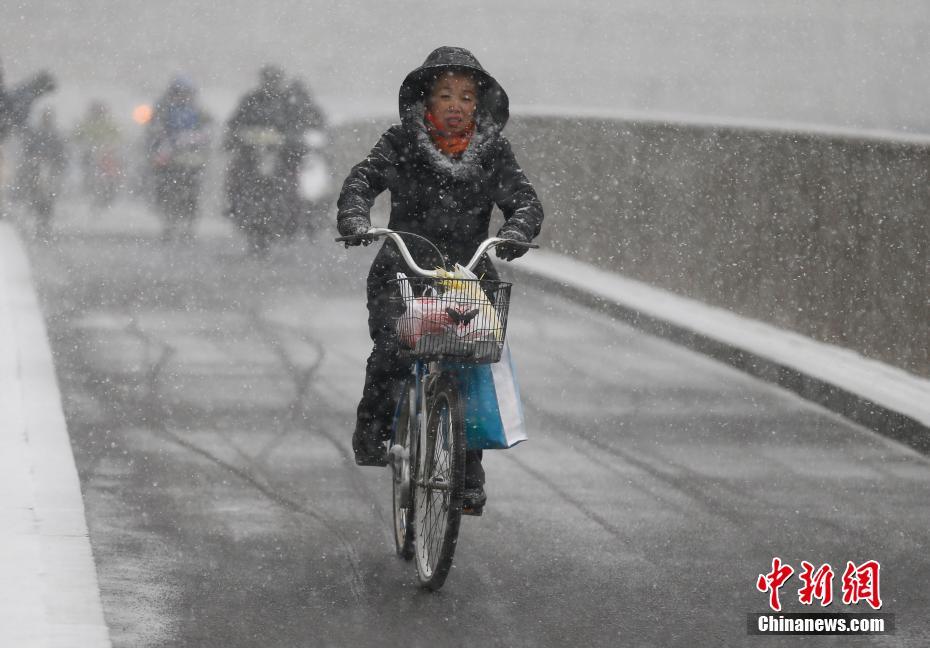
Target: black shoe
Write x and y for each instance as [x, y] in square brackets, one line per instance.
[473, 501]
[369, 452]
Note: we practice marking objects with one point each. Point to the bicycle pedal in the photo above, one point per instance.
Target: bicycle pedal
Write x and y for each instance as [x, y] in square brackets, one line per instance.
[473, 510]
[473, 501]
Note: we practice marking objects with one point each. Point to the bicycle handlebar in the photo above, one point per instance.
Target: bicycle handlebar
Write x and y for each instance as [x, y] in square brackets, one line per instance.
[379, 232]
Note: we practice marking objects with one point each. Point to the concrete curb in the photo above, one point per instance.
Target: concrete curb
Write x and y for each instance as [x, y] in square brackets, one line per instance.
[49, 595]
[885, 399]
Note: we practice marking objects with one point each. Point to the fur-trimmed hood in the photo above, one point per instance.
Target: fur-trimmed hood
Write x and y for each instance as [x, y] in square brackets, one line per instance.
[492, 115]
[448, 201]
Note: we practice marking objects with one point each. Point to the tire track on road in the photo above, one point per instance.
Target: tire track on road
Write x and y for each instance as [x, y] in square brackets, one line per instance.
[159, 416]
[301, 410]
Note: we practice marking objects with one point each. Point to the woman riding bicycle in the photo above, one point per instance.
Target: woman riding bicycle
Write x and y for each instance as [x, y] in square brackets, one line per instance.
[446, 165]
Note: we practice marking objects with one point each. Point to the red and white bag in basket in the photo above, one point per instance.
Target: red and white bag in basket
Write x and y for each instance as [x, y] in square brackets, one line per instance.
[422, 315]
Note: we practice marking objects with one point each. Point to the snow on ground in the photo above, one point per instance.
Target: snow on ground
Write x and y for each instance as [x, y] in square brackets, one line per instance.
[49, 594]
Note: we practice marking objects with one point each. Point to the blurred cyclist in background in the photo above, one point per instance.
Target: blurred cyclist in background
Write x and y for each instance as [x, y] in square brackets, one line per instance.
[99, 144]
[15, 105]
[177, 145]
[16, 102]
[41, 169]
[266, 137]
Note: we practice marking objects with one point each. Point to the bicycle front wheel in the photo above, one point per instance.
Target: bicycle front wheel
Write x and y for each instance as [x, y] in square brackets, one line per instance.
[438, 484]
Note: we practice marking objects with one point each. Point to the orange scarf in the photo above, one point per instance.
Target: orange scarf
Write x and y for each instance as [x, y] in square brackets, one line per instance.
[449, 143]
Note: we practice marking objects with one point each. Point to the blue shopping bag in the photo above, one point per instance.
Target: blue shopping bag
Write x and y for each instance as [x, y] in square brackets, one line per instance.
[493, 411]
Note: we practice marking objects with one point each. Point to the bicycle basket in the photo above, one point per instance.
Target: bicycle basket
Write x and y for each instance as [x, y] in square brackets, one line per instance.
[460, 319]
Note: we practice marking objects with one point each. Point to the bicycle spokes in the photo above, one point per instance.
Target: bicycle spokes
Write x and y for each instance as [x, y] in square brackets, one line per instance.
[438, 486]
[435, 483]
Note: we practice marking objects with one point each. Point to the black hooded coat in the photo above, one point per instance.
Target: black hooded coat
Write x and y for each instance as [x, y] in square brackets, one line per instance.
[448, 201]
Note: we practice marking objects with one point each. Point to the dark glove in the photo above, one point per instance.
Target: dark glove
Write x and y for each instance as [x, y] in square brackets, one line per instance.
[511, 252]
[354, 226]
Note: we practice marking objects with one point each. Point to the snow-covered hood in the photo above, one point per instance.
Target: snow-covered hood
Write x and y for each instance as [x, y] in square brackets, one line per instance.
[493, 108]
[493, 103]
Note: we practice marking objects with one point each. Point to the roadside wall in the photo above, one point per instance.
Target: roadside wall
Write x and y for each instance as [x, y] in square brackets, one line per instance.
[825, 234]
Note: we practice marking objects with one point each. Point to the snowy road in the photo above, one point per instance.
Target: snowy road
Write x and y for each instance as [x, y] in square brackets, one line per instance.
[210, 398]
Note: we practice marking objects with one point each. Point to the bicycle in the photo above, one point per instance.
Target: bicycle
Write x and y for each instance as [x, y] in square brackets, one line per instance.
[443, 325]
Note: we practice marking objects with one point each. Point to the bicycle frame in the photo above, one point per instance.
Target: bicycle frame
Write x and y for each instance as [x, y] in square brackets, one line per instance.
[420, 372]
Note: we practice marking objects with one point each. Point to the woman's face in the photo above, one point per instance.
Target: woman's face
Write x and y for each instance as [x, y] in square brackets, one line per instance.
[453, 101]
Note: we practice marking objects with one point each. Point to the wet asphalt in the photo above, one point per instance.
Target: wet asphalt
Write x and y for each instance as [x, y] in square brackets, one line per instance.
[210, 398]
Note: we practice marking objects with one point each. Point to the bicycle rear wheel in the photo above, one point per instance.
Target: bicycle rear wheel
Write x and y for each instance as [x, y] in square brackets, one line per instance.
[438, 484]
[402, 456]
